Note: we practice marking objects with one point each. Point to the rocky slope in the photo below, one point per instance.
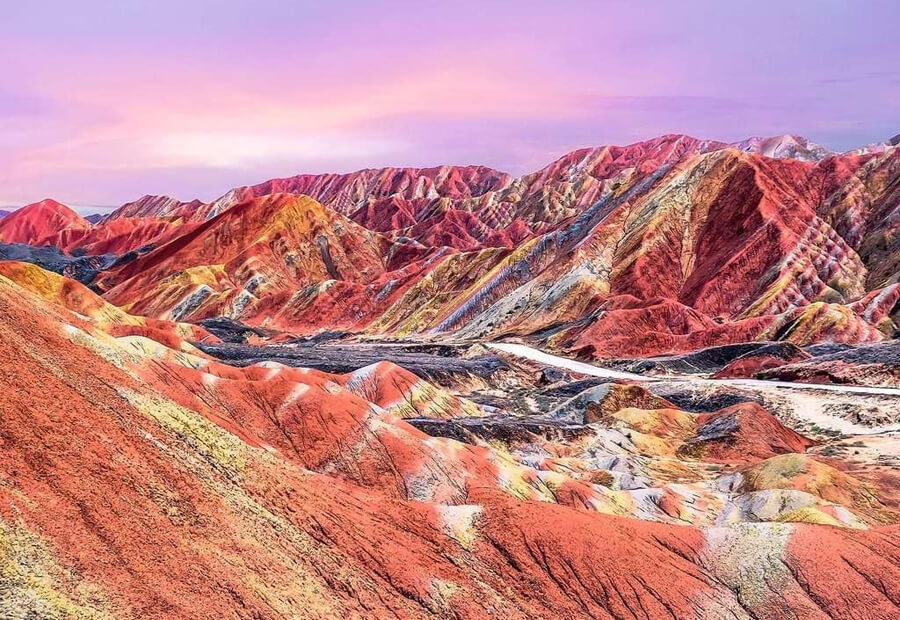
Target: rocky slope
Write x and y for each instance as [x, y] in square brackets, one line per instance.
[140, 478]
[274, 246]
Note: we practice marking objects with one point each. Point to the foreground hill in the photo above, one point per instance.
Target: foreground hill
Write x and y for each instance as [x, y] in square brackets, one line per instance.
[143, 479]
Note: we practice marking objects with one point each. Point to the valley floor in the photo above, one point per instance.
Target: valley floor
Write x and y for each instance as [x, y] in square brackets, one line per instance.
[806, 400]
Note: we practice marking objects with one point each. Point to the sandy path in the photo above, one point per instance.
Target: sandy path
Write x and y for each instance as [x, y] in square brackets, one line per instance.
[807, 399]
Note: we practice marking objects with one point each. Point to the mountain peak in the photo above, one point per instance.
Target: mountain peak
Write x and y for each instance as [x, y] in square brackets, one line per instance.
[272, 209]
[49, 204]
[786, 146]
[40, 223]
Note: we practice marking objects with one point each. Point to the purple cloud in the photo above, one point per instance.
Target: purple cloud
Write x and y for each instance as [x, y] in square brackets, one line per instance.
[104, 101]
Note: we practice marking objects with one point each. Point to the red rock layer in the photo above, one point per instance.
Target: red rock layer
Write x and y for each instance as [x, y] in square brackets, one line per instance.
[743, 433]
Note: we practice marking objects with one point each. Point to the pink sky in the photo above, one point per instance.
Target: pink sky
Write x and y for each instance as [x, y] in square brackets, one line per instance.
[102, 101]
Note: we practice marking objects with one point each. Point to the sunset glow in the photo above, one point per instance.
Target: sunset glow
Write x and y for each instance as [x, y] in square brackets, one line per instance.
[105, 103]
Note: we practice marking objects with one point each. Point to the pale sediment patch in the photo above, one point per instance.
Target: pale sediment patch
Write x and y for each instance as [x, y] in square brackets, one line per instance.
[297, 392]
[33, 585]
[461, 523]
[749, 559]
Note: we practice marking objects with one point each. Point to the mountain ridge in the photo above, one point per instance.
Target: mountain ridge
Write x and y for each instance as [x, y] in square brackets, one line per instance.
[751, 144]
[700, 242]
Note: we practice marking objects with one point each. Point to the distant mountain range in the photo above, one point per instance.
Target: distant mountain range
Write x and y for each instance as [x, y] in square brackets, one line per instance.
[660, 246]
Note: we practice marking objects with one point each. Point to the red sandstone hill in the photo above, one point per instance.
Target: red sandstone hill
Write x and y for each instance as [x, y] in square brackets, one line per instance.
[556, 191]
[123, 235]
[50, 223]
[159, 207]
[720, 247]
[346, 193]
[42, 223]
